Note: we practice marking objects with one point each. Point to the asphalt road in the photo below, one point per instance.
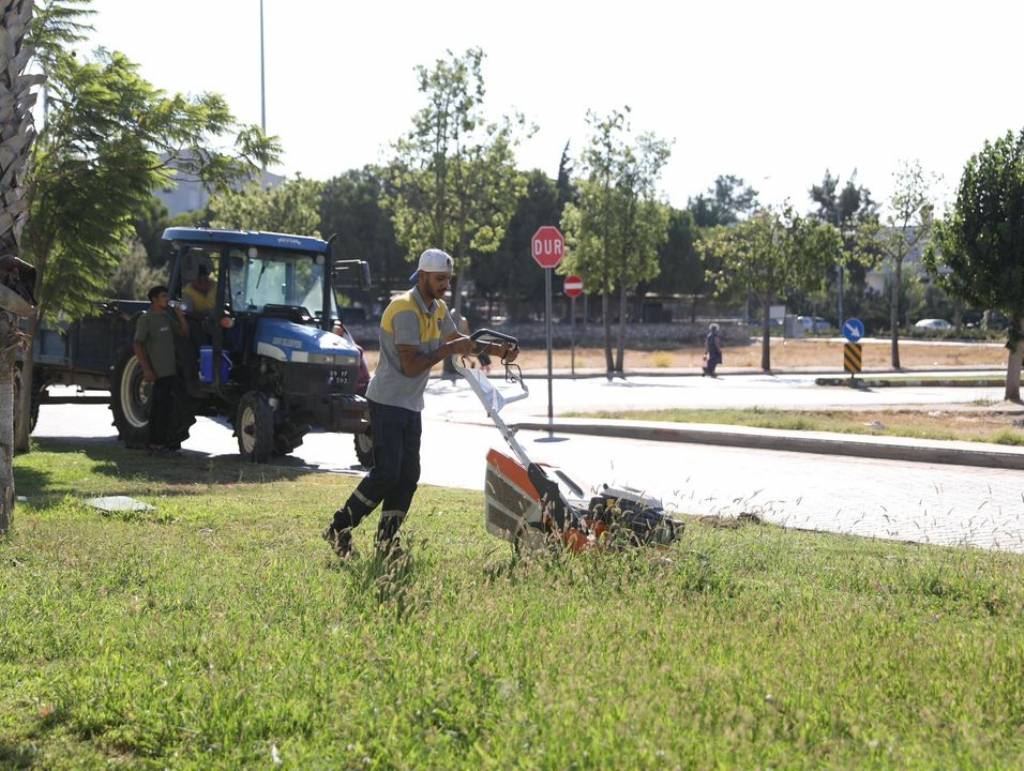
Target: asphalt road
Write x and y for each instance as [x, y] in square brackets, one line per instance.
[885, 499]
[784, 391]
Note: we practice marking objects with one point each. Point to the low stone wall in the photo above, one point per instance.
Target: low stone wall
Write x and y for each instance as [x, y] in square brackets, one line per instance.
[591, 335]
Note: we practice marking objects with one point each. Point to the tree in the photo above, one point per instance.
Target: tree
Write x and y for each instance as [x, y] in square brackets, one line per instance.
[150, 221]
[851, 210]
[454, 180]
[728, 201]
[134, 275]
[907, 229]
[291, 207]
[680, 268]
[563, 183]
[615, 229]
[16, 136]
[510, 274]
[350, 206]
[110, 139]
[977, 254]
[770, 254]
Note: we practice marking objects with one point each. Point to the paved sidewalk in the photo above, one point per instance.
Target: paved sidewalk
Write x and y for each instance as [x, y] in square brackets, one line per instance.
[818, 442]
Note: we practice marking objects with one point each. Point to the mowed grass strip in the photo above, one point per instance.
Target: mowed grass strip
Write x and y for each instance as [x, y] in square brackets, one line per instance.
[971, 426]
[218, 632]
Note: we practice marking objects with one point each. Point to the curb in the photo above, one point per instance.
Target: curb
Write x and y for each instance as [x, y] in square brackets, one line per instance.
[816, 442]
[562, 374]
[981, 382]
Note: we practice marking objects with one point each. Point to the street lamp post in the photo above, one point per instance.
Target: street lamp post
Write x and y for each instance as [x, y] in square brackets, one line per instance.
[263, 78]
[839, 283]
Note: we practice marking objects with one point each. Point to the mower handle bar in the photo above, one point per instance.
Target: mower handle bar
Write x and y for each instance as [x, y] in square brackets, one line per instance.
[490, 336]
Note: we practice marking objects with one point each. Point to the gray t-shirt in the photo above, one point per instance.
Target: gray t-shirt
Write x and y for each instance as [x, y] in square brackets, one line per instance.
[155, 331]
[407, 320]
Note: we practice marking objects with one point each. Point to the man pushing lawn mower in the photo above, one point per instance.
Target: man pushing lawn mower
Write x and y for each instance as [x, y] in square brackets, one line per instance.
[416, 332]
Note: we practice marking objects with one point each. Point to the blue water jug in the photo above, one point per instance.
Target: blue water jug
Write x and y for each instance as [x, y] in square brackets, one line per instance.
[206, 365]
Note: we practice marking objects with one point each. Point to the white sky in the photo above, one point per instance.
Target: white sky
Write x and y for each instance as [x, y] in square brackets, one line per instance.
[774, 92]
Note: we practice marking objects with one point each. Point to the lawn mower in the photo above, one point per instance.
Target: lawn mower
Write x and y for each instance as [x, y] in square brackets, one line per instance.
[534, 505]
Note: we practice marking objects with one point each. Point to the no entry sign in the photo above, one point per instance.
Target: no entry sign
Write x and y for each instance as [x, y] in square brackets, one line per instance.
[573, 286]
[547, 246]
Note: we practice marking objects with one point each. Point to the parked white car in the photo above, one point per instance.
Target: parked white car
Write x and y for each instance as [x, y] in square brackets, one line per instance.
[938, 324]
[813, 323]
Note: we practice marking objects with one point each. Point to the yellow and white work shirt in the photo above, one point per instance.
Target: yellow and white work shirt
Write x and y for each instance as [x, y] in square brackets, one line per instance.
[407, 320]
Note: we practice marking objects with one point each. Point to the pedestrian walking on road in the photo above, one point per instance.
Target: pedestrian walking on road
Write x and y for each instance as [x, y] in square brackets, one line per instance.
[416, 332]
[712, 351]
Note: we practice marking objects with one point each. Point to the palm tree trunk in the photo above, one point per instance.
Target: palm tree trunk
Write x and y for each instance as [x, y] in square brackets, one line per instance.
[16, 135]
[894, 312]
[8, 325]
[24, 405]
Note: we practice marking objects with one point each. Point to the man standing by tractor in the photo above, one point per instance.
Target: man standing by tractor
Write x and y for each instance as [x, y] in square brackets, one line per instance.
[154, 348]
[416, 332]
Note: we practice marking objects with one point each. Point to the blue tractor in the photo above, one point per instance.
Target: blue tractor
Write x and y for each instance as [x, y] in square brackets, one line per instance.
[271, 356]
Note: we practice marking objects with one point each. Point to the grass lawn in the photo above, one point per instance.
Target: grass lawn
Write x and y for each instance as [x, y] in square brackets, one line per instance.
[786, 354]
[217, 632]
[972, 426]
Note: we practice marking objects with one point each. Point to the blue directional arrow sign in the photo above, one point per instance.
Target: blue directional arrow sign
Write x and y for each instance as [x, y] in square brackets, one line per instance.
[853, 330]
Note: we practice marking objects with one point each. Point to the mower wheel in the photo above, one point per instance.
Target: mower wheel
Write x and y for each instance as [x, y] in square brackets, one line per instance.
[254, 426]
[364, 448]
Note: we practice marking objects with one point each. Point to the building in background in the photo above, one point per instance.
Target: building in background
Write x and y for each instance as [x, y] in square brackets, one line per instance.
[187, 194]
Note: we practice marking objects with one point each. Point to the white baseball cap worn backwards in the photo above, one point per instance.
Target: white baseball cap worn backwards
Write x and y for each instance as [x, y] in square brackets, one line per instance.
[433, 261]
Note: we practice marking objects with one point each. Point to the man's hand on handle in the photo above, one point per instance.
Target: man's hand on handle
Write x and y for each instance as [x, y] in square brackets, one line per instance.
[508, 352]
[460, 346]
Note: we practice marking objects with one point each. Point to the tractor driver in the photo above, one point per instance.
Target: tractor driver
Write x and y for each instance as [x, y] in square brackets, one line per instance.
[200, 294]
[416, 332]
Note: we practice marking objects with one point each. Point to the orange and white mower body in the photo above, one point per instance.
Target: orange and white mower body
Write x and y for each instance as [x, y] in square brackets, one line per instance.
[531, 504]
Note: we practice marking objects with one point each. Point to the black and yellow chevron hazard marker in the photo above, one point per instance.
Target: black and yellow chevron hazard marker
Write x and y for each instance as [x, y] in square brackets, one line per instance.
[852, 357]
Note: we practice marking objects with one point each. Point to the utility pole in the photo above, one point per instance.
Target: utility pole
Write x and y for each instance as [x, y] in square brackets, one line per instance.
[839, 271]
[263, 84]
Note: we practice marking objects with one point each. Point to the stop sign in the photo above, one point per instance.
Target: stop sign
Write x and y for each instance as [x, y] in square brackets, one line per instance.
[573, 286]
[547, 246]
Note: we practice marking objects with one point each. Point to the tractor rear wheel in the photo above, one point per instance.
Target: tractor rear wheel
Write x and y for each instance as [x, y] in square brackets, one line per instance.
[129, 401]
[254, 426]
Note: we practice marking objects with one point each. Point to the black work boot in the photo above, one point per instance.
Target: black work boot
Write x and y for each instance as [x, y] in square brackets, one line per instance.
[340, 541]
[387, 543]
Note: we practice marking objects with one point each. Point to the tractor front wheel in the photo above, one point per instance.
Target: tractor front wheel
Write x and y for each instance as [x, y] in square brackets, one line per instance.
[254, 426]
[288, 436]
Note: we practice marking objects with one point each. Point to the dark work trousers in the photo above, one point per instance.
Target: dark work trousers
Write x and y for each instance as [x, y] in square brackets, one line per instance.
[160, 408]
[396, 470]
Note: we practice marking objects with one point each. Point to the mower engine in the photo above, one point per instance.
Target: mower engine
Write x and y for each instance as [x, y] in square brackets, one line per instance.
[529, 506]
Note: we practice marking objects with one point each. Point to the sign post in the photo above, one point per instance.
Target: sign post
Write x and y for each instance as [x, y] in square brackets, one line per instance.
[573, 288]
[548, 247]
[853, 331]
